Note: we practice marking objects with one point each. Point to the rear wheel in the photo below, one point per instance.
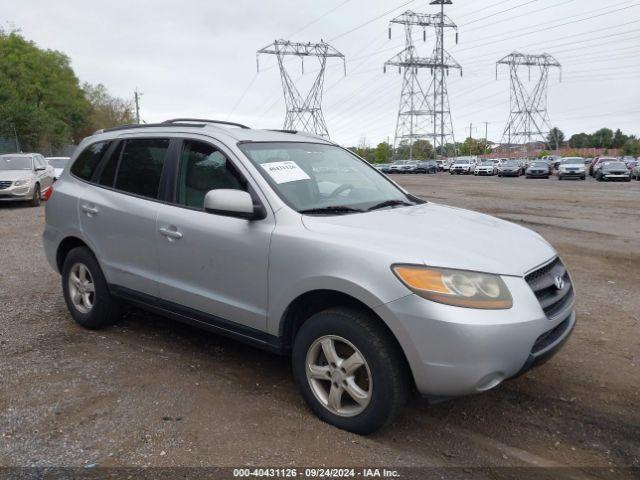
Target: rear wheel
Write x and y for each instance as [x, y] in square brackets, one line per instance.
[349, 370]
[86, 292]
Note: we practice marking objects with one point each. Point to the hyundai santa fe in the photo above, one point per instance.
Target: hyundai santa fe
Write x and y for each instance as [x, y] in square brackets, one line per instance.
[293, 244]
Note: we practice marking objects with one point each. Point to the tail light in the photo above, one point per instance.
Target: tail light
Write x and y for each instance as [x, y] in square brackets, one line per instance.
[46, 195]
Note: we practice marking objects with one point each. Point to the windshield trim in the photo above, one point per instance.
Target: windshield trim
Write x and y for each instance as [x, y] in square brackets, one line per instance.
[270, 182]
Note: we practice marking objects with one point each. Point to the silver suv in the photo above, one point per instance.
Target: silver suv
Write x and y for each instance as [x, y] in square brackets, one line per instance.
[295, 245]
[24, 177]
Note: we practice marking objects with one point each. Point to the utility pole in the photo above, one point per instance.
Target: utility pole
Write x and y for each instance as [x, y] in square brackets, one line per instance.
[304, 114]
[486, 132]
[137, 96]
[419, 117]
[15, 133]
[470, 128]
[528, 118]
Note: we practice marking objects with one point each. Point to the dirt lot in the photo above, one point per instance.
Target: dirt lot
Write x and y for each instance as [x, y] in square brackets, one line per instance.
[153, 392]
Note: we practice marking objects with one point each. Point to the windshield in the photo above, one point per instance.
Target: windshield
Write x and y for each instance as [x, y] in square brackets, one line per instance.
[58, 162]
[614, 165]
[462, 162]
[572, 161]
[539, 164]
[512, 163]
[15, 163]
[311, 176]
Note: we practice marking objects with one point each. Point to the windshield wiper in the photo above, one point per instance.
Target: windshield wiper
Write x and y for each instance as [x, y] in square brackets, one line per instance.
[332, 209]
[390, 203]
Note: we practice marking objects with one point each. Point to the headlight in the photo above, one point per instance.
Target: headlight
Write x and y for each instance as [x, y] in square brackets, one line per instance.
[20, 183]
[460, 288]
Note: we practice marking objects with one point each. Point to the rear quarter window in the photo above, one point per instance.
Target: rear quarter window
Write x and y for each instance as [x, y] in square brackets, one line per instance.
[88, 160]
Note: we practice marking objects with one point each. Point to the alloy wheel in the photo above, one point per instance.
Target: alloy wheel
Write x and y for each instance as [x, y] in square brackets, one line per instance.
[81, 288]
[339, 376]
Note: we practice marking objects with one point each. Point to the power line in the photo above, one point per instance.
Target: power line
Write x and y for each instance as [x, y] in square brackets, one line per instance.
[371, 21]
[328, 12]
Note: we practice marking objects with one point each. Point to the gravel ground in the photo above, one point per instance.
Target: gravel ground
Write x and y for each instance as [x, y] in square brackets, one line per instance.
[151, 392]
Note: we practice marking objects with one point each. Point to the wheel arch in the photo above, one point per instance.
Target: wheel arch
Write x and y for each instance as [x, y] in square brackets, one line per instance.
[65, 246]
[305, 305]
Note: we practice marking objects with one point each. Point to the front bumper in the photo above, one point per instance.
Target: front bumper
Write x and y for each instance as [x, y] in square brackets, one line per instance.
[16, 194]
[610, 176]
[455, 351]
[484, 172]
[538, 174]
[509, 173]
[576, 174]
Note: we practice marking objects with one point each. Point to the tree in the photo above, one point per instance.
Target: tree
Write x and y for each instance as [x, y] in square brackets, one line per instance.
[40, 96]
[471, 146]
[555, 138]
[382, 153]
[631, 147]
[603, 138]
[106, 111]
[619, 139]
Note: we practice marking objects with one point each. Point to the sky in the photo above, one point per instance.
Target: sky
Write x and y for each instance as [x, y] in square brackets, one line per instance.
[197, 58]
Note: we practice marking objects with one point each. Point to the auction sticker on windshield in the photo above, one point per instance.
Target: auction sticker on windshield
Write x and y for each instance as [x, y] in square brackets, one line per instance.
[284, 172]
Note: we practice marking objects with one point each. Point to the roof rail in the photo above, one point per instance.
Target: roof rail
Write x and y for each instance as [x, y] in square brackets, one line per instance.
[145, 125]
[203, 120]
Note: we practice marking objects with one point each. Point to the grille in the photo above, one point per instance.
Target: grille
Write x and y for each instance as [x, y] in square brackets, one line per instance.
[5, 184]
[542, 282]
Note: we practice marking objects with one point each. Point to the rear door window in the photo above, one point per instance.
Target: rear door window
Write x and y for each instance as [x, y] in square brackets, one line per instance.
[141, 166]
[87, 162]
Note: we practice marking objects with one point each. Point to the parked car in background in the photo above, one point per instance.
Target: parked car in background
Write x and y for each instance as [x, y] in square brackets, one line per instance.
[239, 232]
[401, 166]
[511, 168]
[572, 167]
[426, 166]
[631, 163]
[58, 164]
[462, 166]
[597, 162]
[635, 172]
[538, 169]
[615, 170]
[486, 168]
[24, 177]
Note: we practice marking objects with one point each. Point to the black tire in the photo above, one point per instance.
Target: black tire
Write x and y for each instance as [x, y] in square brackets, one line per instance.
[559, 177]
[105, 310]
[37, 194]
[583, 177]
[389, 372]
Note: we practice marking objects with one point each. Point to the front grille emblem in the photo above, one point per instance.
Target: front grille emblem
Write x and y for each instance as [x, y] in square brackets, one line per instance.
[559, 282]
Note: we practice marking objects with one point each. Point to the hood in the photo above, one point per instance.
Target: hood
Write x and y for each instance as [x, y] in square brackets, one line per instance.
[440, 236]
[14, 175]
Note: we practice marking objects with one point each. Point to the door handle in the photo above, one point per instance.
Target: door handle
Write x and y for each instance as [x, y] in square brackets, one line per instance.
[89, 210]
[171, 233]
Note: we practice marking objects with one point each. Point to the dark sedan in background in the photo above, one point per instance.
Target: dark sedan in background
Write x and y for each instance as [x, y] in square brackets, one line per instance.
[613, 171]
[510, 168]
[428, 166]
[539, 169]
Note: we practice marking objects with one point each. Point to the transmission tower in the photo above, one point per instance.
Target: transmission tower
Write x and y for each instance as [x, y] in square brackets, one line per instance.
[528, 117]
[424, 111]
[303, 113]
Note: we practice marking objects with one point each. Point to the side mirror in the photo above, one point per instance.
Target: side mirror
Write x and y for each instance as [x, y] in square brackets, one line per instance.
[233, 203]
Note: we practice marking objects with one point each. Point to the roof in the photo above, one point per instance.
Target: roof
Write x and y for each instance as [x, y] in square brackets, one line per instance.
[18, 154]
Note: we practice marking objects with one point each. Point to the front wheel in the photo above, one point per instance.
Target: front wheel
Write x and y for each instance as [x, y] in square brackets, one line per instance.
[350, 371]
[35, 200]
